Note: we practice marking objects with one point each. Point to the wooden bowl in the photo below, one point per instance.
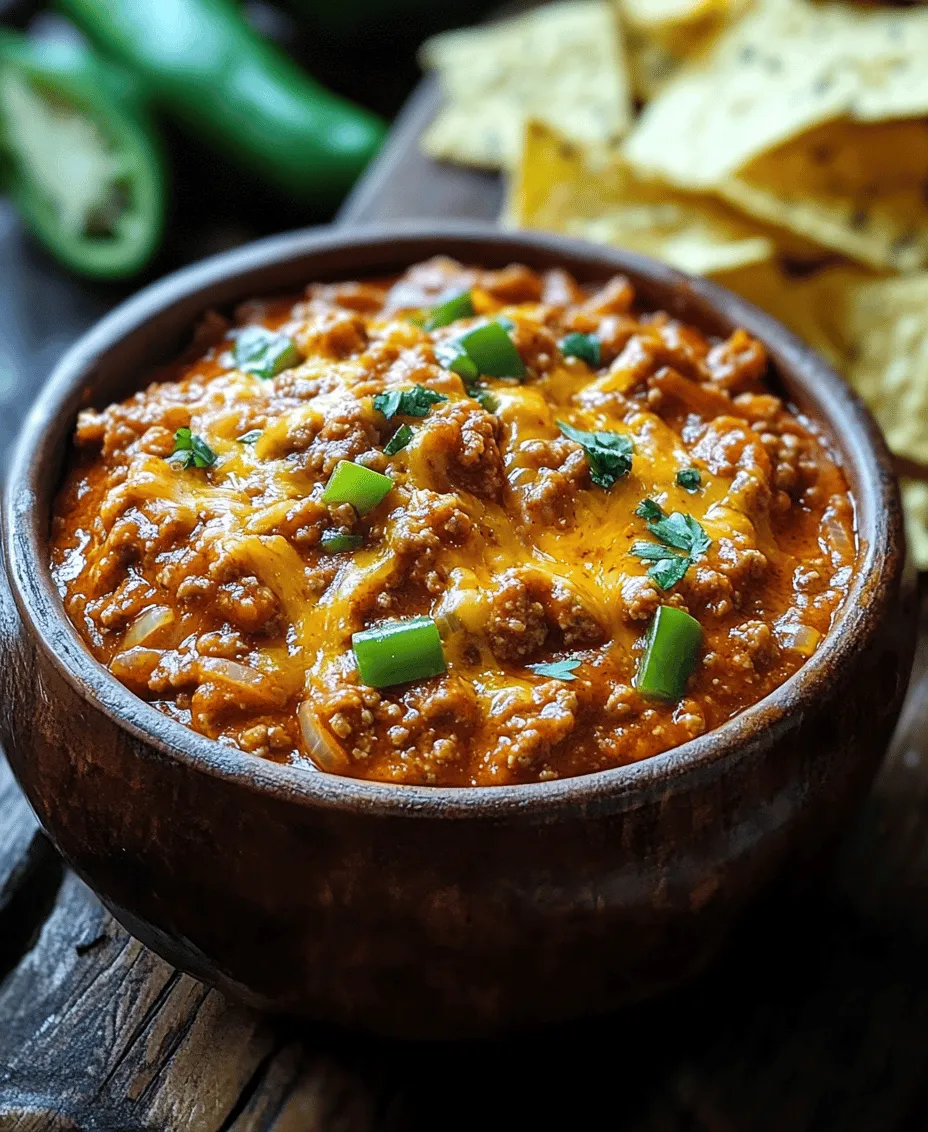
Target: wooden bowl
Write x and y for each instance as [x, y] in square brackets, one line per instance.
[422, 911]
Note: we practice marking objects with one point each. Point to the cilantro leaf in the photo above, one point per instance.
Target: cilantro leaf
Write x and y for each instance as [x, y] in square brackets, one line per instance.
[676, 532]
[556, 669]
[334, 542]
[648, 509]
[249, 437]
[583, 346]
[265, 353]
[414, 402]
[651, 551]
[398, 440]
[483, 396]
[192, 451]
[609, 454]
[681, 531]
[668, 571]
[689, 479]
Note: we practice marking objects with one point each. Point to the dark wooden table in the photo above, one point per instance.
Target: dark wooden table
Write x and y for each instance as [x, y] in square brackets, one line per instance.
[816, 1017]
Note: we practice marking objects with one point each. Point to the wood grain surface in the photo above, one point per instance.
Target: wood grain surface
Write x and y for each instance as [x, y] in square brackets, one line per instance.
[815, 1018]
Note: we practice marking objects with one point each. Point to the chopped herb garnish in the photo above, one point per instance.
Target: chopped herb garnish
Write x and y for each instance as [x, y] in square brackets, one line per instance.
[556, 669]
[484, 397]
[689, 479]
[648, 509]
[398, 440]
[609, 453]
[414, 402]
[667, 567]
[452, 356]
[682, 532]
[450, 310]
[333, 542]
[249, 437]
[192, 451]
[265, 353]
[582, 346]
[676, 532]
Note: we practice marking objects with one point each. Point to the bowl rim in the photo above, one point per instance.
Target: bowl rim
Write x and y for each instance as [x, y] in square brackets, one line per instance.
[753, 731]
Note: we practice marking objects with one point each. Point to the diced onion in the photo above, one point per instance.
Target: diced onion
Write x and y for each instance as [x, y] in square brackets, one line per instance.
[231, 672]
[797, 637]
[147, 624]
[324, 752]
[839, 541]
[135, 666]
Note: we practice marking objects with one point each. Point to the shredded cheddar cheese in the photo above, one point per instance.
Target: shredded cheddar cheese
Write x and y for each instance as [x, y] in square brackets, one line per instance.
[496, 525]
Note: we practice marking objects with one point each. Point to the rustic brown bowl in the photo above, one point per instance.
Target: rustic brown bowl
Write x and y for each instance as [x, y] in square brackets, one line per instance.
[426, 911]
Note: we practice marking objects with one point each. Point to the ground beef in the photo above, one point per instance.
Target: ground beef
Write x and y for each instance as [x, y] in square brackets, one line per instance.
[513, 284]
[550, 473]
[640, 598]
[460, 442]
[530, 611]
[347, 433]
[739, 363]
[729, 444]
[211, 592]
[529, 732]
[337, 333]
[428, 521]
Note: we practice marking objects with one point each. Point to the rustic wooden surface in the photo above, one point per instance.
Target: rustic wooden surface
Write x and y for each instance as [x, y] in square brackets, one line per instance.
[816, 1018]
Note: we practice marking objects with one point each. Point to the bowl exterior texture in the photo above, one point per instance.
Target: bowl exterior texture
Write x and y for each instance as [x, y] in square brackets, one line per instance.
[407, 911]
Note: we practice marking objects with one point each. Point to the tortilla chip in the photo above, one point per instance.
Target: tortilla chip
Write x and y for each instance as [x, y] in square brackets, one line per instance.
[563, 63]
[804, 305]
[562, 188]
[854, 188]
[885, 323]
[784, 68]
[662, 35]
[915, 505]
[653, 62]
[660, 15]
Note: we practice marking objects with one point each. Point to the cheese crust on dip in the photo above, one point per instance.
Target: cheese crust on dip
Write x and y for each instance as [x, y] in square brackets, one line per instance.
[462, 527]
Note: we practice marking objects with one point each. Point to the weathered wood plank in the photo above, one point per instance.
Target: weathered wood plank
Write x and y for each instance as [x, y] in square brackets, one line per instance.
[100, 1034]
[18, 832]
[29, 872]
[404, 184]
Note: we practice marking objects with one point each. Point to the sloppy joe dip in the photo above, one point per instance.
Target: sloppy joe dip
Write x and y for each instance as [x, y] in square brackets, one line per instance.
[460, 527]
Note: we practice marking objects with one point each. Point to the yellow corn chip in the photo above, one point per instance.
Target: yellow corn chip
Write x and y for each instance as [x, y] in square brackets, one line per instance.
[858, 189]
[885, 323]
[662, 35]
[785, 67]
[915, 505]
[653, 61]
[662, 14]
[563, 63]
[805, 306]
[561, 188]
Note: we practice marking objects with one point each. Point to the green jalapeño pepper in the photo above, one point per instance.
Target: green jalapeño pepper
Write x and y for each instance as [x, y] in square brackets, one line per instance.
[202, 61]
[78, 156]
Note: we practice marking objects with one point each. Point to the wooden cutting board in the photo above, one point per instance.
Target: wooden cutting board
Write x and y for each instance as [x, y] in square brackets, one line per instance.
[816, 1017]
